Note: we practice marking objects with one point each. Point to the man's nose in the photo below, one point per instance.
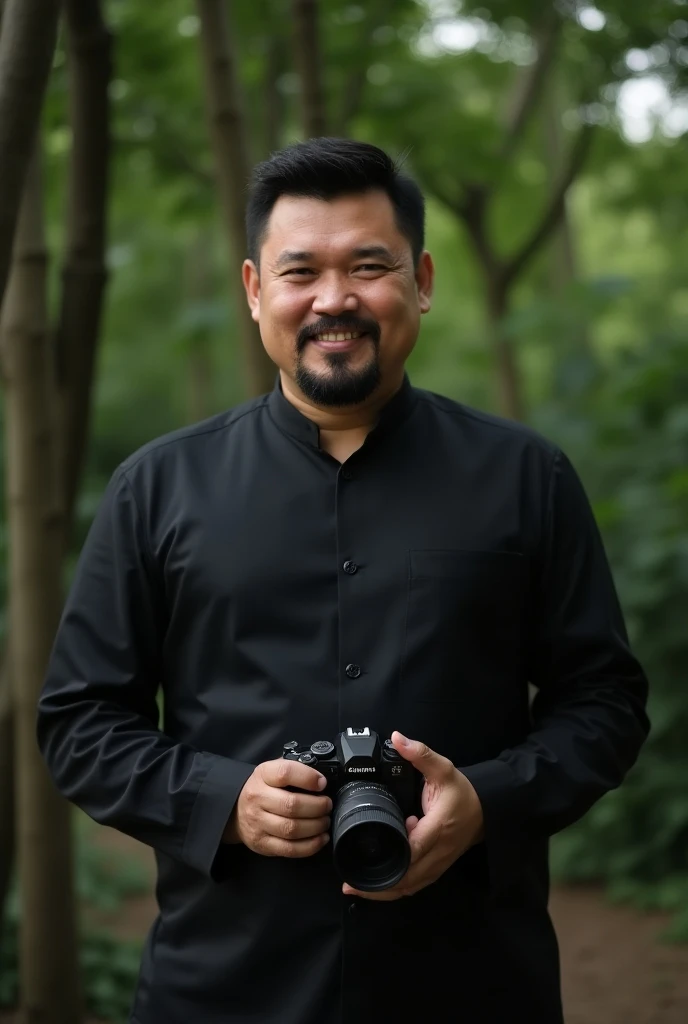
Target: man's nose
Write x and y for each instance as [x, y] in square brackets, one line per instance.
[334, 295]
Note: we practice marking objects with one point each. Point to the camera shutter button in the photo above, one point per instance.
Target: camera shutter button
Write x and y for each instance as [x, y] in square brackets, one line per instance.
[323, 748]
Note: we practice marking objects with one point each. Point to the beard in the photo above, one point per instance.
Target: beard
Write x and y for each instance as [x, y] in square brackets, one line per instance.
[339, 385]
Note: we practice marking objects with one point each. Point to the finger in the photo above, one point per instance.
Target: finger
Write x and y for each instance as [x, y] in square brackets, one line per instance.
[424, 837]
[294, 805]
[281, 773]
[431, 764]
[411, 823]
[271, 846]
[386, 896]
[293, 829]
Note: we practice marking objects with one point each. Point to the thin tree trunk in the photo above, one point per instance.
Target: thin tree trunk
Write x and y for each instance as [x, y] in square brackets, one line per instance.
[509, 390]
[200, 375]
[27, 45]
[274, 102]
[84, 275]
[228, 130]
[7, 809]
[309, 64]
[562, 266]
[49, 976]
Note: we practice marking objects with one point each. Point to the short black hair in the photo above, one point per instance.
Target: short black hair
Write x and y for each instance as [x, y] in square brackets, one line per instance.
[325, 168]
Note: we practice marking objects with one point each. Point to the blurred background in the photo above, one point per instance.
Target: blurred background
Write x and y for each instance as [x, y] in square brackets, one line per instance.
[551, 142]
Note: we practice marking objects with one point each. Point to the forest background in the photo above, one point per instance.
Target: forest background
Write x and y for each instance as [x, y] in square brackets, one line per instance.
[550, 141]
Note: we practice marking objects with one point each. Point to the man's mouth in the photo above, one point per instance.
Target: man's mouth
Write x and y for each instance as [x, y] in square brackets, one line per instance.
[336, 341]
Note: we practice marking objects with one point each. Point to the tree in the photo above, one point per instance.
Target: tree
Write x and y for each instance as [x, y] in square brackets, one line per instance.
[49, 971]
[309, 61]
[53, 373]
[232, 162]
[27, 44]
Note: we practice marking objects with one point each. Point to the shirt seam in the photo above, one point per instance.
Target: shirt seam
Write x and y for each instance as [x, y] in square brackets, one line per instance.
[146, 539]
[200, 433]
[485, 420]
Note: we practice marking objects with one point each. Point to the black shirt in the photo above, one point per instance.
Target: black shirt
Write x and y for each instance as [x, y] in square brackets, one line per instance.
[274, 594]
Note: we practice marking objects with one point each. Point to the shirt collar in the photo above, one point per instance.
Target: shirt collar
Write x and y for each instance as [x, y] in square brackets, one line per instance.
[292, 422]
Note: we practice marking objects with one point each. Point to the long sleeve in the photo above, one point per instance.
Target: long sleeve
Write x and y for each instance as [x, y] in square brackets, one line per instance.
[97, 724]
[588, 716]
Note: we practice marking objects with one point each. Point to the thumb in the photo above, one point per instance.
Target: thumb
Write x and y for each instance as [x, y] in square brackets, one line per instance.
[431, 764]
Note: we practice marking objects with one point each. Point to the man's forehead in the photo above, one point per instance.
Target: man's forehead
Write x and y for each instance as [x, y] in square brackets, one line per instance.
[347, 223]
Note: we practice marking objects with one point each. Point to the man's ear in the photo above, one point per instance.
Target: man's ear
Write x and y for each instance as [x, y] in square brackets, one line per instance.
[425, 280]
[251, 278]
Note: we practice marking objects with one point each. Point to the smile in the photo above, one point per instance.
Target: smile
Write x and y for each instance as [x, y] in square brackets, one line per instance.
[338, 341]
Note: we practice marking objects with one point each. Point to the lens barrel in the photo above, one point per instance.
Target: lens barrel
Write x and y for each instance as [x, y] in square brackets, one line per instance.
[370, 846]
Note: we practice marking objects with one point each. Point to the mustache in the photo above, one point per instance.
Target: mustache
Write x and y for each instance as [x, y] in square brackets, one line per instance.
[337, 323]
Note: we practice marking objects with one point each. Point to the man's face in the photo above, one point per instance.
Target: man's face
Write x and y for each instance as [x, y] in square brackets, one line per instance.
[334, 269]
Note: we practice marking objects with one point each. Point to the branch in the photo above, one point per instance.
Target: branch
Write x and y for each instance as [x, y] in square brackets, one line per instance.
[554, 210]
[471, 208]
[27, 44]
[531, 83]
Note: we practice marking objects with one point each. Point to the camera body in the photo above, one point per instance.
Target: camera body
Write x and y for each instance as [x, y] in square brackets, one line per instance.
[373, 790]
[358, 755]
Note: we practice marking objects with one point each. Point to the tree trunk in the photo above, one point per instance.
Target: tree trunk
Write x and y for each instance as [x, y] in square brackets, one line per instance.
[200, 375]
[49, 976]
[84, 275]
[274, 102]
[27, 45]
[7, 812]
[309, 64]
[227, 123]
[509, 391]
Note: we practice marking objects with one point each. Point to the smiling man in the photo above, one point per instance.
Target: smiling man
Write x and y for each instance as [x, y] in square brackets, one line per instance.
[347, 550]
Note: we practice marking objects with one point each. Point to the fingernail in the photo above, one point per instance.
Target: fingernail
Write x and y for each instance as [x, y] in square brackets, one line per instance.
[322, 782]
[402, 739]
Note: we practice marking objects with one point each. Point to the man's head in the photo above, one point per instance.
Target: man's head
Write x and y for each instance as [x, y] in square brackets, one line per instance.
[335, 240]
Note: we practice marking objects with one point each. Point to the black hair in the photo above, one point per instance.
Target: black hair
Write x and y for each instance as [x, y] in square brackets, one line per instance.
[325, 168]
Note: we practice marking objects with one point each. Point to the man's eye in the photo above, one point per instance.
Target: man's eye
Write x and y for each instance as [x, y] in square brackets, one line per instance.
[299, 270]
[371, 266]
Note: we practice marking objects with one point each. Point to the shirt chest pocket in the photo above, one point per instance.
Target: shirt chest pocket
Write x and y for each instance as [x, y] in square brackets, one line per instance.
[464, 621]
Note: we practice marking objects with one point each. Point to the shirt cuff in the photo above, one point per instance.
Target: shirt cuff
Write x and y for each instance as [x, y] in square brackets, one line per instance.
[505, 842]
[214, 803]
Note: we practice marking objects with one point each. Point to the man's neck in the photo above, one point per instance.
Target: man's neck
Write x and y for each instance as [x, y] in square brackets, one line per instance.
[335, 418]
[343, 429]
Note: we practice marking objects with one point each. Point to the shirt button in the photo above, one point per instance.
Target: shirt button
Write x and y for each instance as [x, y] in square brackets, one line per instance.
[353, 671]
[350, 567]
[347, 474]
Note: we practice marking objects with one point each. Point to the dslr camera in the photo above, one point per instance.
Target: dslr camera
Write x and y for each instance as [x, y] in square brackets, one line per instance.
[373, 790]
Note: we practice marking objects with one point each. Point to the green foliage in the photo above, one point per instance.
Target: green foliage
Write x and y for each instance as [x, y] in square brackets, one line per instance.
[109, 966]
[629, 437]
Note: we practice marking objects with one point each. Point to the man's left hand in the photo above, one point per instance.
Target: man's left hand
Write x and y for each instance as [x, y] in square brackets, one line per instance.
[452, 821]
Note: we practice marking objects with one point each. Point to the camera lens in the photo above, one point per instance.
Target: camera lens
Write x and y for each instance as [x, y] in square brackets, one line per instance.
[369, 843]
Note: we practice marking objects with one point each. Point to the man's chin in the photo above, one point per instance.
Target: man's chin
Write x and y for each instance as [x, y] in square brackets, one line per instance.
[337, 386]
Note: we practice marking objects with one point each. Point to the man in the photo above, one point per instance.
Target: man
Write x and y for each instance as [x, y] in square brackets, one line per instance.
[344, 551]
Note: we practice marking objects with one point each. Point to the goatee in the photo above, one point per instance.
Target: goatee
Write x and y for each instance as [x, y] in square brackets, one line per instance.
[341, 386]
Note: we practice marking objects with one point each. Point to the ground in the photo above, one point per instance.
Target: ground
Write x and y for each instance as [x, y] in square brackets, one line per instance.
[614, 968]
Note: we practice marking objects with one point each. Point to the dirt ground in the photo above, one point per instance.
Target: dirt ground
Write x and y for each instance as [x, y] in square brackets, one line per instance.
[614, 968]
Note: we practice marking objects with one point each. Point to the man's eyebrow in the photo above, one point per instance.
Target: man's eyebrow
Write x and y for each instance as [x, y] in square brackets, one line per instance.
[362, 252]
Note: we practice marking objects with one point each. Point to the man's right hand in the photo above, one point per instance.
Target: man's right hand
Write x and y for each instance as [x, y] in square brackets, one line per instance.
[274, 822]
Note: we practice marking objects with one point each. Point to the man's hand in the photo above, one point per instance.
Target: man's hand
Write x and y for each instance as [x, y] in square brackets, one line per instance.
[276, 823]
[452, 822]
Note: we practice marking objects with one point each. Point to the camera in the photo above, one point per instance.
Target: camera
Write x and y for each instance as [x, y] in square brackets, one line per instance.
[373, 791]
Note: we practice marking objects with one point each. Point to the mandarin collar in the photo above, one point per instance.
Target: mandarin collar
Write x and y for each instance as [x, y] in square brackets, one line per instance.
[292, 422]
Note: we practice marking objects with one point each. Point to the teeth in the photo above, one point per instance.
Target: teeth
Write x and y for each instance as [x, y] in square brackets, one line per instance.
[348, 336]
